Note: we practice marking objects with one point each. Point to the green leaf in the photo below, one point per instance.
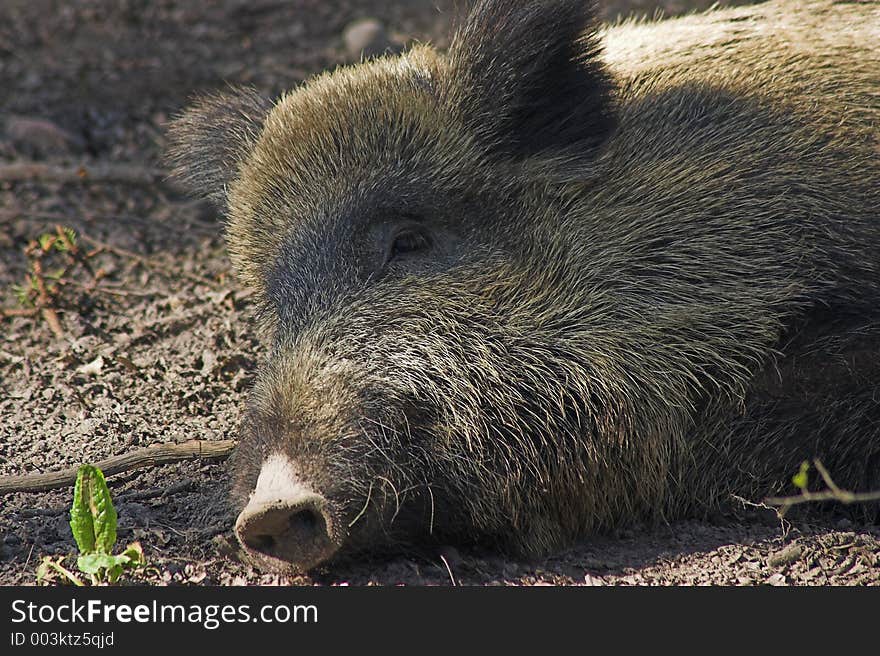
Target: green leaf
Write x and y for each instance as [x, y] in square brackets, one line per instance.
[44, 240]
[96, 563]
[81, 522]
[71, 235]
[93, 522]
[802, 479]
[113, 573]
[23, 294]
[102, 564]
[92, 515]
[135, 554]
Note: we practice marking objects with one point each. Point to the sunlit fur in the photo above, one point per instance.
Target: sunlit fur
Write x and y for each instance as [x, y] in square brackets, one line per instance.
[659, 285]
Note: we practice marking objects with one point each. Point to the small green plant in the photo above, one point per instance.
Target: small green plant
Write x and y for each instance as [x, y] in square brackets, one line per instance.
[63, 241]
[58, 267]
[93, 523]
[802, 478]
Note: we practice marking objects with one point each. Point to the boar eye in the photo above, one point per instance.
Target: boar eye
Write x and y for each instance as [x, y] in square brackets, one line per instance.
[408, 241]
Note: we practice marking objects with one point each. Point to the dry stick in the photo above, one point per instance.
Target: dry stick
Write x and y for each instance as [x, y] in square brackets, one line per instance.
[843, 496]
[833, 493]
[167, 491]
[19, 312]
[45, 302]
[8, 215]
[151, 456]
[131, 174]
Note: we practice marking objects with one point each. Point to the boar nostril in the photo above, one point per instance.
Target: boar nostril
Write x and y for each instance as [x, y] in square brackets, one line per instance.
[263, 543]
[296, 531]
[304, 521]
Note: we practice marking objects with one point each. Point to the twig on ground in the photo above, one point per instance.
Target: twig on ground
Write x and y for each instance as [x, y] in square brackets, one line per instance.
[784, 524]
[151, 456]
[208, 229]
[125, 497]
[45, 300]
[832, 493]
[28, 513]
[168, 490]
[131, 174]
[20, 312]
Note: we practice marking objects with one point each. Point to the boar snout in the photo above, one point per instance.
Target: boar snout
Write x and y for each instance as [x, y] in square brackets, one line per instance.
[285, 524]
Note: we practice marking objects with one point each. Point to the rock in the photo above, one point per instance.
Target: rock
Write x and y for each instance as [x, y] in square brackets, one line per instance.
[785, 556]
[209, 361]
[365, 38]
[92, 368]
[776, 580]
[37, 136]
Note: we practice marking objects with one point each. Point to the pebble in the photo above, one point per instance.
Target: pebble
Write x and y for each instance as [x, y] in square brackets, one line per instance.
[209, 361]
[366, 38]
[785, 556]
[776, 580]
[40, 136]
[92, 368]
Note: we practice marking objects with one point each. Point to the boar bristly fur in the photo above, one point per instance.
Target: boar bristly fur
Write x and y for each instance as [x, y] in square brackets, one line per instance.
[557, 278]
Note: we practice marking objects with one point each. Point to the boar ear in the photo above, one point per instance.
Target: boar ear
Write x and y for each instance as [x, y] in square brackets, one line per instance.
[209, 140]
[528, 78]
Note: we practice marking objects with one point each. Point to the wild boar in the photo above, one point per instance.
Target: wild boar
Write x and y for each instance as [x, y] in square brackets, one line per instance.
[556, 278]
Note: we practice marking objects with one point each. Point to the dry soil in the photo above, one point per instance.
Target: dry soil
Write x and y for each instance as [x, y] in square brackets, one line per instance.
[160, 348]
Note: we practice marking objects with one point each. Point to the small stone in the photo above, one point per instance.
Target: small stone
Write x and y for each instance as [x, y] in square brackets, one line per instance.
[591, 580]
[92, 368]
[142, 362]
[785, 556]
[88, 426]
[776, 579]
[366, 38]
[39, 136]
[209, 361]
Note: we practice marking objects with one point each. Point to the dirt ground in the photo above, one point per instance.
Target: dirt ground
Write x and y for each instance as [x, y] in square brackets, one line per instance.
[156, 345]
